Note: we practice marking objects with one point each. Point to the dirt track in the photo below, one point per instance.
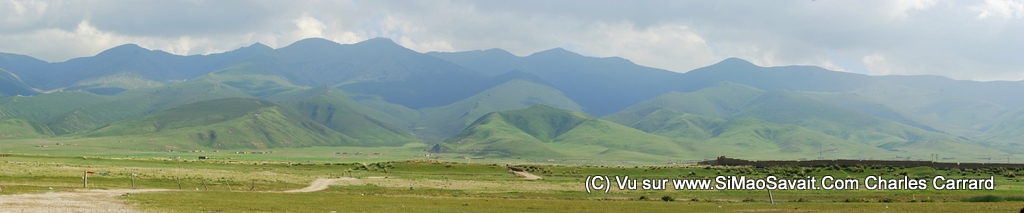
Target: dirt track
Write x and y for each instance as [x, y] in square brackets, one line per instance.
[321, 184]
[70, 201]
[526, 175]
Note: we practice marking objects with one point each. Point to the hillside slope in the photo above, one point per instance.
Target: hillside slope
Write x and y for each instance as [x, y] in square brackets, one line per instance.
[13, 127]
[338, 112]
[227, 124]
[542, 132]
[448, 120]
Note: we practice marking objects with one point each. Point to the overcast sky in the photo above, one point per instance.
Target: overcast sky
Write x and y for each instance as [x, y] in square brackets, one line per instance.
[971, 40]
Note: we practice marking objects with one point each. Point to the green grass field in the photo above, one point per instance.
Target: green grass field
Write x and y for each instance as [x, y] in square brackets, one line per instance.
[405, 184]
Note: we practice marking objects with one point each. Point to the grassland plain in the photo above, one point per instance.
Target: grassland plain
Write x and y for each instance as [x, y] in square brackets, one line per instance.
[233, 185]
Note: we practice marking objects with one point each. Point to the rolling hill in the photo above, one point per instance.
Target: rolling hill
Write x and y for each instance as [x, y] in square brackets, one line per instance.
[721, 100]
[46, 106]
[226, 124]
[543, 131]
[600, 85]
[13, 127]
[376, 92]
[338, 112]
[446, 121]
[11, 85]
[137, 103]
[124, 60]
[774, 120]
[1007, 132]
[957, 107]
[749, 137]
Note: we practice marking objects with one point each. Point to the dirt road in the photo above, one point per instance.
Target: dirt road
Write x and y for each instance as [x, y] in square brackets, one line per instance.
[321, 184]
[70, 201]
[526, 175]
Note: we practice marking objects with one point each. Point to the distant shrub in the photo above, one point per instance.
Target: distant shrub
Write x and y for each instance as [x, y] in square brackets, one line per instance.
[986, 198]
[667, 198]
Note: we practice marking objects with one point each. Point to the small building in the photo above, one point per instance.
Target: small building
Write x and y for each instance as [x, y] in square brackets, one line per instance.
[202, 158]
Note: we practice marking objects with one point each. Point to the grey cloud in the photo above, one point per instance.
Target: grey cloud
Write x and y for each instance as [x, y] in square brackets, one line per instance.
[940, 37]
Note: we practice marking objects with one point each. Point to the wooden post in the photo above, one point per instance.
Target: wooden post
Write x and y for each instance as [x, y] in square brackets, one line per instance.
[85, 179]
[179, 182]
[204, 185]
[133, 180]
[229, 184]
[253, 187]
[770, 197]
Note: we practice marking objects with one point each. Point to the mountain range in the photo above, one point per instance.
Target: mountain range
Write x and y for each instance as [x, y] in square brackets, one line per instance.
[550, 104]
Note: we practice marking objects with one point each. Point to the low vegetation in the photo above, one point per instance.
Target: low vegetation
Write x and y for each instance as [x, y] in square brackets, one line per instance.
[225, 185]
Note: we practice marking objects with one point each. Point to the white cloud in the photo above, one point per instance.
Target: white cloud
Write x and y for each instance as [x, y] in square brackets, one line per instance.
[671, 47]
[962, 40]
[20, 14]
[902, 7]
[876, 65]
[1000, 8]
[308, 27]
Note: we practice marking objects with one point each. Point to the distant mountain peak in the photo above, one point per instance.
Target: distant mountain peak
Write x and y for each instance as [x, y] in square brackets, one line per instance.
[313, 42]
[259, 46]
[124, 49]
[498, 51]
[558, 51]
[379, 42]
[735, 62]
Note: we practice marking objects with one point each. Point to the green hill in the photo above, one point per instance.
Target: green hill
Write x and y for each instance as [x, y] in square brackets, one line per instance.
[546, 132]
[45, 106]
[229, 123]
[721, 100]
[666, 122]
[344, 115]
[759, 139]
[862, 104]
[749, 137]
[11, 85]
[1007, 133]
[137, 103]
[783, 107]
[448, 120]
[12, 127]
[798, 125]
